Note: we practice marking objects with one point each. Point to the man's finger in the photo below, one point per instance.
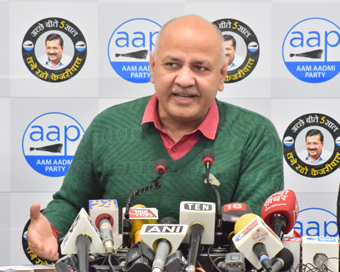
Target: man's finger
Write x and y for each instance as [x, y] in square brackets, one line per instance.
[35, 211]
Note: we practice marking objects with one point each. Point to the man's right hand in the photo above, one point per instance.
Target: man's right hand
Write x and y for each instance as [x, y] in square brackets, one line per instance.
[40, 235]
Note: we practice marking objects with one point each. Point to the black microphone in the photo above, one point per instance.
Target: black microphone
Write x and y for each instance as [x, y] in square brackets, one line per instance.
[139, 258]
[261, 253]
[195, 232]
[283, 260]
[161, 167]
[208, 160]
[208, 157]
[83, 238]
[83, 242]
[199, 216]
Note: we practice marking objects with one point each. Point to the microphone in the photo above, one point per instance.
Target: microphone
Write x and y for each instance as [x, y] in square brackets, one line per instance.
[175, 262]
[82, 238]
[283, 260]
[256, 241]
[160, 169]
[139, 258]
[200, 216]
[208, 160]
[280, 212]
[164, 238]
[105, 215]
[322, 251]
[140, 215]
[261, 253]
[230, 214]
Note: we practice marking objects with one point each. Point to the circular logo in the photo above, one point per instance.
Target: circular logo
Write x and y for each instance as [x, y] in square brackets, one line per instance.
[50, 142]
[311, 50]
[54, 50]
[241, 48]
[311, 145]
[129, 49]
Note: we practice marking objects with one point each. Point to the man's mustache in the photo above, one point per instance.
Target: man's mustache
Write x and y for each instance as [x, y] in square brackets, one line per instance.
[184, 91]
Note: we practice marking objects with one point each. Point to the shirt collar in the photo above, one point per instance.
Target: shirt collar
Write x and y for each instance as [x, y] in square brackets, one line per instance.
[48, 63]
[208, 126]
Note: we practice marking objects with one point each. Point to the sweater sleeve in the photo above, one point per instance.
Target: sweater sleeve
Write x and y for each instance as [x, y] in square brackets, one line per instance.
[80, 184]
[261, 170]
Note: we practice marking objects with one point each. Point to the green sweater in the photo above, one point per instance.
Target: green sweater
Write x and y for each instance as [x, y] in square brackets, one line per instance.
[117, 156]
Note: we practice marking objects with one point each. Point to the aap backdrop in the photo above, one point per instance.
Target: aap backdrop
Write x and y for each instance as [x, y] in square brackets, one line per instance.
[286, 68]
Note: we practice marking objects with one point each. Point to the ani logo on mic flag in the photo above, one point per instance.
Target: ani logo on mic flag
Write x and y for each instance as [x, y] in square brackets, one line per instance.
[312, 145]
[129, 49]
[50, 142]
[311, 50]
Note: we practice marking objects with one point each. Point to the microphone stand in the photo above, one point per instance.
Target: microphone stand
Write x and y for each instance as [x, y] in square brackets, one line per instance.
[155, 184]
[208, 156]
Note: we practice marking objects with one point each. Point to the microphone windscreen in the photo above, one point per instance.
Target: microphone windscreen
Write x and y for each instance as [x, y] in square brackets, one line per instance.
[243, 221]
[283, 203]
[136, 224]
[161, 164]
[287, 256]
[168, 220]
[208, 153]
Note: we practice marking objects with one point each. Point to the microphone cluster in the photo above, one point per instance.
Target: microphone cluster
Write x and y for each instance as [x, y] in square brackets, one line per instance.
[208, 236]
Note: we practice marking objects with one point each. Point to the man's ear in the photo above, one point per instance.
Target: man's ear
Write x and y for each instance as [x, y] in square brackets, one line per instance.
[152, 63]
[223, 74]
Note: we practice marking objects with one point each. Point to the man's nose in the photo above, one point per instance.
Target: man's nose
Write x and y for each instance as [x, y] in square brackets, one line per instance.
[185, 77]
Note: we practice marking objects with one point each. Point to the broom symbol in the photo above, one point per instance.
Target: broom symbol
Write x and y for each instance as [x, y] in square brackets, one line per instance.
[56, 148]
[315, 54]
[141, 54]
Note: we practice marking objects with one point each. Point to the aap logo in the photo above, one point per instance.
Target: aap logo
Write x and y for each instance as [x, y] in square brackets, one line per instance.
[50, 142]
[129, 49]
[316, 222]
[311, 50]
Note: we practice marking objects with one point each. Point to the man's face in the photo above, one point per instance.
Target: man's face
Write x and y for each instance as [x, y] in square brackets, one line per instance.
[187, 72]
[54, 50]
[229, 50]
[314, 146]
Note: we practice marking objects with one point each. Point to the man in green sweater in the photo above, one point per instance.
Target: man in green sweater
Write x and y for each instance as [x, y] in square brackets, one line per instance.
[183, 118]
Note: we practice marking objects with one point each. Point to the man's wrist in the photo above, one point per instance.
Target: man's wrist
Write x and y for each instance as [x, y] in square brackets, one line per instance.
[55, 232]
